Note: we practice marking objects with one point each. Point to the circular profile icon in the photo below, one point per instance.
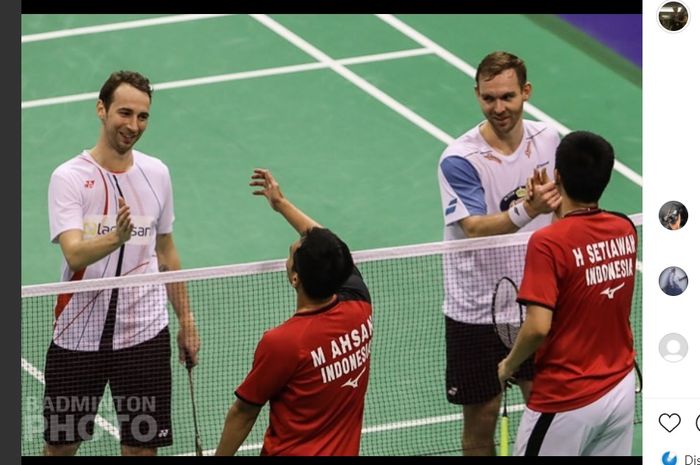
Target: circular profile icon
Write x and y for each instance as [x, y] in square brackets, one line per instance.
[673, 281]
[673, 16]
[673, 347]
[673, 215]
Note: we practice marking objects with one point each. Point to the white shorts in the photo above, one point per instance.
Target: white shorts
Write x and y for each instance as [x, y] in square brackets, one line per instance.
[604, 427]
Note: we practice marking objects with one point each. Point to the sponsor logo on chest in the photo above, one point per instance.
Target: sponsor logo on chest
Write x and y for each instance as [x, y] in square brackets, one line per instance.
[99, 225]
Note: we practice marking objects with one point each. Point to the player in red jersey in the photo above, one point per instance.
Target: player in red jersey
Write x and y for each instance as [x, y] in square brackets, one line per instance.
[314, 367]
[578, 286]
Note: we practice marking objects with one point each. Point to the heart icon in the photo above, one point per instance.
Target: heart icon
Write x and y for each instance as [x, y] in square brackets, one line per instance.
[669, 422]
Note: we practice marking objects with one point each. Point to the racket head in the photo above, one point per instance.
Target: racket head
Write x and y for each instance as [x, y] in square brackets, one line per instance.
[507, 313]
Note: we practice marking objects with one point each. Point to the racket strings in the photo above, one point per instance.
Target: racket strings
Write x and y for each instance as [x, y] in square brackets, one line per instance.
[507, 313]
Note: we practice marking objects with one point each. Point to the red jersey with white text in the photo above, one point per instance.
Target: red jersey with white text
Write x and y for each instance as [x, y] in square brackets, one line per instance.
[582, 267]
[314, 370]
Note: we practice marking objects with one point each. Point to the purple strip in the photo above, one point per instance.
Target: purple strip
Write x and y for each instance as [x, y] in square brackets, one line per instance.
[619, 32]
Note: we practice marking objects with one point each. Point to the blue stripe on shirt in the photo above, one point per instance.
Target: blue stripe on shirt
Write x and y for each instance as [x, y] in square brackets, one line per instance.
[465, 180]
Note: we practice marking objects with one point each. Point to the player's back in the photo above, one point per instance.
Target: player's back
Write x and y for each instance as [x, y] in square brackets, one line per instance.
[319, 409]
[589, 287]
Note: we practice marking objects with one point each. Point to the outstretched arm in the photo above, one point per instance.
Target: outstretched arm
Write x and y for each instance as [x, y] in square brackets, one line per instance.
[271, 190]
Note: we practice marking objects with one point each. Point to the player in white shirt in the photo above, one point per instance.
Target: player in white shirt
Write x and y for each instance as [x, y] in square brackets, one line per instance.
[111, 211]
[483, 177]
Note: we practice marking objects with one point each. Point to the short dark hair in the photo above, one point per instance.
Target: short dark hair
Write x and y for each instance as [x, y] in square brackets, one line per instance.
[118, 78]
[323, 263]
[495, 63]
[584, 161]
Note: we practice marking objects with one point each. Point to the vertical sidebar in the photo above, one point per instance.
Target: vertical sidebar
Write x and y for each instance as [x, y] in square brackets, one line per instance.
[671, 274]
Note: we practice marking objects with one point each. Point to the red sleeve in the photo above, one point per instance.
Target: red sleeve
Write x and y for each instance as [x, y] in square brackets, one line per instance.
[275, 360]
[539, 285]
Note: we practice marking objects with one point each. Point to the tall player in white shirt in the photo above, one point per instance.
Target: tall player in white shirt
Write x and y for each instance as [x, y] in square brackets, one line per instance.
[111, 211]
[483, 177]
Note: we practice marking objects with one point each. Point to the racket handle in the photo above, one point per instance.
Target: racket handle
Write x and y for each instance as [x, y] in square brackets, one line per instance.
[503, 446]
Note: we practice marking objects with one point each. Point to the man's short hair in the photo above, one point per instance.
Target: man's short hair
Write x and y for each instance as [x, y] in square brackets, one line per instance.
[584, 161]
[323, 263]
[118, 78]
[495, 63]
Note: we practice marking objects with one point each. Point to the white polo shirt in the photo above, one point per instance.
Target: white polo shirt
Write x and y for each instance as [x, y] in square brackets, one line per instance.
[83, 195]
[475, 179]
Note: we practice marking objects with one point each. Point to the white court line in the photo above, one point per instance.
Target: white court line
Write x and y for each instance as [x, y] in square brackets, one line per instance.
[471, 71]
[236, 76]
[114, 27]
[257, 446]
[354, 78]
[99, 419]
[391, 426]
[57, 100]
[327, 61]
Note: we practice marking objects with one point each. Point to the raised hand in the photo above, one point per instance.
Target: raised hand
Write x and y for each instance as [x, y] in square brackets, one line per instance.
[543, 195]
[270, 188]
[124, 225]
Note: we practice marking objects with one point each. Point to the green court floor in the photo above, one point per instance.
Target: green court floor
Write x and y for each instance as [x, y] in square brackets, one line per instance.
[358, 151]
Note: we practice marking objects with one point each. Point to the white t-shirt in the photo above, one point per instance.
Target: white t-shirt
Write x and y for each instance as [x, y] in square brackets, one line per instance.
[83, 195]
[475, 179]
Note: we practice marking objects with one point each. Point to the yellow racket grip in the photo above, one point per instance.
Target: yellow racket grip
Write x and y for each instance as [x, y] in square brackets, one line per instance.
[503, 446]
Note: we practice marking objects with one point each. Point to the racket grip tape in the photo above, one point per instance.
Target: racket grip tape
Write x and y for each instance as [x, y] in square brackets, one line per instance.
[503, 446]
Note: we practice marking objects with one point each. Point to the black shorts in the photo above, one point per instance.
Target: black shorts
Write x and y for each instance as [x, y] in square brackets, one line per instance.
[139, 378]
[473, 354]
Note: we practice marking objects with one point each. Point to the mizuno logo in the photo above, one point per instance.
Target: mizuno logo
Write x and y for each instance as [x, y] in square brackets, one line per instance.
[353, 382]
[611, 292]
